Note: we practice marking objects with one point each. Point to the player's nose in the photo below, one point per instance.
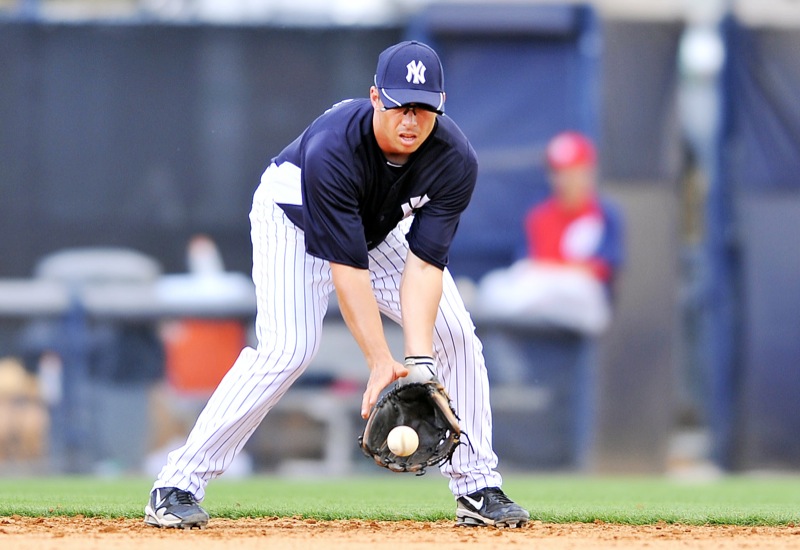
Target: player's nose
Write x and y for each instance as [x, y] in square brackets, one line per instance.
[410, 117]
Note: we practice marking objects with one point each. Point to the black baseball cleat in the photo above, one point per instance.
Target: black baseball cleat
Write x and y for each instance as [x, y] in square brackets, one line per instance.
[490, 506]
[172, 507]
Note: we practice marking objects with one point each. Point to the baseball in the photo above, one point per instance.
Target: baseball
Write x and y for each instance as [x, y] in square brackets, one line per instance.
[402, 440]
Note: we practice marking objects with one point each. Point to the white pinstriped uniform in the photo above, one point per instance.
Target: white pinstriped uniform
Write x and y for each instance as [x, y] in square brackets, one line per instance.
[292, 290]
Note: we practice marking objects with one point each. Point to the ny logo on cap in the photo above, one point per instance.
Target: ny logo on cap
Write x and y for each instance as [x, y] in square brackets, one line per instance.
[416, 70]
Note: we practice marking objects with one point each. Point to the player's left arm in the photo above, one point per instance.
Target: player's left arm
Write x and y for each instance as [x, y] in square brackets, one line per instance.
[429, 240]
[360, 312]
[420, 293]
[609, 256]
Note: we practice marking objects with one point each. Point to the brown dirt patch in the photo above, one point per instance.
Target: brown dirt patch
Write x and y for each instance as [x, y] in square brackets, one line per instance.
[78, 533]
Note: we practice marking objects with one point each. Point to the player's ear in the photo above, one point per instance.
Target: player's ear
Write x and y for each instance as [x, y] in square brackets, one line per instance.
[374, 97]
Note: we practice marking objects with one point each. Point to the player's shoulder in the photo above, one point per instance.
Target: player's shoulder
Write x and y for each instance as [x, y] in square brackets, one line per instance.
[453, 139]
[610, 209]
[545, 208]
[450, 132]
[606, 202]
[344, 114]
[343, 125]
[347, 104]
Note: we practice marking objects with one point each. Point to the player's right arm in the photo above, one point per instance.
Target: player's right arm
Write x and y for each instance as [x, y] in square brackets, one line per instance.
[334, 231]
[362, 316]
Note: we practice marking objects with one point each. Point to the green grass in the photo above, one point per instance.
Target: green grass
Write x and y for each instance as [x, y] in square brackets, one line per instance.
[638, 501]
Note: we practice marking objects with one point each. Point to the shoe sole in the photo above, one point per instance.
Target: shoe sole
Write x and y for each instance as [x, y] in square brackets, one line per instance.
[480, 521]
[151, 520]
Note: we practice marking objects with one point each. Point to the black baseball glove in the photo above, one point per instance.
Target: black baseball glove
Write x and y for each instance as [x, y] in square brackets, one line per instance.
[423, 406]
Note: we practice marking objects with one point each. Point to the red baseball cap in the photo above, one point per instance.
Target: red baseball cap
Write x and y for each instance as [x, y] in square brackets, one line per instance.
[570, 149]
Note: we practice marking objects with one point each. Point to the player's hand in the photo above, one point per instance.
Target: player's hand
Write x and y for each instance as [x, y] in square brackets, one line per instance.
[380, 376]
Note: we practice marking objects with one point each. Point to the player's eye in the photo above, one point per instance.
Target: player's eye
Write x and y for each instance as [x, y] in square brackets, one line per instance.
[411, 107]
[414, 107]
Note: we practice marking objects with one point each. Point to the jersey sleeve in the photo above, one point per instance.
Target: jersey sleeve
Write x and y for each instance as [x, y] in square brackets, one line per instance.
[434, 226]
[334, 230]
[612, 247]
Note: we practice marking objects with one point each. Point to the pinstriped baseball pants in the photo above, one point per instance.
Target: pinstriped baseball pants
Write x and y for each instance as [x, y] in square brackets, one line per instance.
[292, 291]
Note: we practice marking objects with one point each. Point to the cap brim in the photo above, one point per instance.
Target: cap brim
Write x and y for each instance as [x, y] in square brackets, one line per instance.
[404, 96]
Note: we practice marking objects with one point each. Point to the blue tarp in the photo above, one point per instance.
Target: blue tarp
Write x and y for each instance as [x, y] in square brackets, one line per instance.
[753, 231]
[515, 76]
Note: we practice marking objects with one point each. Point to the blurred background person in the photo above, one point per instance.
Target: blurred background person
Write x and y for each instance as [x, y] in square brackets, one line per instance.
[24, 419]
[574, 249]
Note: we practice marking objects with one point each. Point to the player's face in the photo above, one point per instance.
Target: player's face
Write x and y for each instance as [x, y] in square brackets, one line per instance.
[574, 186]
[402, 130]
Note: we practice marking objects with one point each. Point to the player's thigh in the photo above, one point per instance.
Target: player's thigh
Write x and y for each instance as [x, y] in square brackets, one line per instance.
[292, 287]
[454, 331]
[386, 264]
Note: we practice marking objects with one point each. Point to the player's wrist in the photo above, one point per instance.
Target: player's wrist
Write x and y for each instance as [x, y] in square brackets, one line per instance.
[420, 369]
[418, 359]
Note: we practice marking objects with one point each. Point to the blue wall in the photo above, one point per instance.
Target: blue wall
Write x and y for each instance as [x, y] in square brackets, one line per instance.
[142, 135]
[753, 231]
[516, 76]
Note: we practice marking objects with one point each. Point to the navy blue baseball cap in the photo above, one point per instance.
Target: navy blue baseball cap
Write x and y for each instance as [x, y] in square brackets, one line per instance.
[410, 72]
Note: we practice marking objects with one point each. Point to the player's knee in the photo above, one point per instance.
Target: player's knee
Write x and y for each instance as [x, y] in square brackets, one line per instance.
[272, 359]
[457, 331]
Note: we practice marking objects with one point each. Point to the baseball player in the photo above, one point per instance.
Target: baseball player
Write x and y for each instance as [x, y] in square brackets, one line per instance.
[365, 202]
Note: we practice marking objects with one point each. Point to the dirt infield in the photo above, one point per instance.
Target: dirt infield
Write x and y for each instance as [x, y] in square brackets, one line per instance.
[19, 533]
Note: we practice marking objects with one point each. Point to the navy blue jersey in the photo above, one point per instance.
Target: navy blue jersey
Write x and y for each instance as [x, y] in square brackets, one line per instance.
[352, 199]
